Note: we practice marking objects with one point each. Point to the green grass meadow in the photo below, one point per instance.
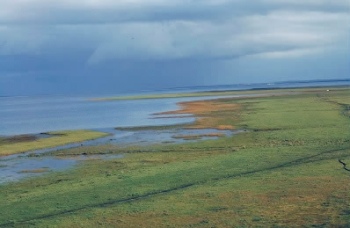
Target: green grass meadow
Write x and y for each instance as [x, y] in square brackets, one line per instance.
[284, 171]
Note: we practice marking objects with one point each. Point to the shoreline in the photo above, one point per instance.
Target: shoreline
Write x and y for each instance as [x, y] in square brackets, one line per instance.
[68, 154]
[197, 109]
[211, 93]
[288, 159]
[145, 121]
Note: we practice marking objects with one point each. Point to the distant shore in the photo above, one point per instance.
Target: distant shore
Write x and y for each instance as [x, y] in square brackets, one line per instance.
[256, 91]
[197, 108]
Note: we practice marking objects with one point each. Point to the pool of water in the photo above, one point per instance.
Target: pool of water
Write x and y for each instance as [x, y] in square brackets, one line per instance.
[30, 164]
[14, 169]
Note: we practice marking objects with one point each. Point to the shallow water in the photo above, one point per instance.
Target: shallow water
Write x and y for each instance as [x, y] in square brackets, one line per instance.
[25, 115]
[18, 166]
[14, 169]
[147, 137]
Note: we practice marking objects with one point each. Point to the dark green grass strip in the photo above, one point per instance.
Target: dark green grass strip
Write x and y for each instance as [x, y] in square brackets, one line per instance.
[296, 162]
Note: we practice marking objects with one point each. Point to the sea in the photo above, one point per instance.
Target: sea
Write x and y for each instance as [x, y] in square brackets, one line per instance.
[37, 114]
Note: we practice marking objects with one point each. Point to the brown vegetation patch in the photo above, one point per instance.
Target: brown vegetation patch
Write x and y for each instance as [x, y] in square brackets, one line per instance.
[208, 113]
[201, 107]
[225, 127]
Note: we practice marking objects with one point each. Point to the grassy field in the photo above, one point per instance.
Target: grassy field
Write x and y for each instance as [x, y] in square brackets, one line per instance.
[19, 144]
[283, 172]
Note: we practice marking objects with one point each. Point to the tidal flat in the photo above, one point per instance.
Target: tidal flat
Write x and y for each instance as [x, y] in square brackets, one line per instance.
[285, 169]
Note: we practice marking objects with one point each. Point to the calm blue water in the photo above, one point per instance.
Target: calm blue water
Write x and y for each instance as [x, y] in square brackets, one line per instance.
[24, 115]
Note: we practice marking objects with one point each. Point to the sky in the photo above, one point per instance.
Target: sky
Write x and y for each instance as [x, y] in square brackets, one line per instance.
[121, 46]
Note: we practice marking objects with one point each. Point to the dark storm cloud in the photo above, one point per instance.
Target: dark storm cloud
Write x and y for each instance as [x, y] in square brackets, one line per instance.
[89, 12]
[117, 40]
[163, 29]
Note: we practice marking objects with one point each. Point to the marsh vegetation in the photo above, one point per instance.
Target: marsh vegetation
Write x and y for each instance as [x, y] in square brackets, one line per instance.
[284, 170]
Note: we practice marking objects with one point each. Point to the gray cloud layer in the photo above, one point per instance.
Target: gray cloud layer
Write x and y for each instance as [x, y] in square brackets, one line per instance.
[164, 29]
[41, 35]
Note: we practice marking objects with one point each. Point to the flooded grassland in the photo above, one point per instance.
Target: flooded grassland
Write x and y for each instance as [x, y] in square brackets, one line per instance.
[288, 167]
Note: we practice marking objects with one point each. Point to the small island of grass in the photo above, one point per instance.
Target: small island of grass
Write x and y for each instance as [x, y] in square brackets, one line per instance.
[20, 144]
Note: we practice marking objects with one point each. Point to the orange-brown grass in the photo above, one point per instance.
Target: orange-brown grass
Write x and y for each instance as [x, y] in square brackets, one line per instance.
[206, 113]
[201, 107]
